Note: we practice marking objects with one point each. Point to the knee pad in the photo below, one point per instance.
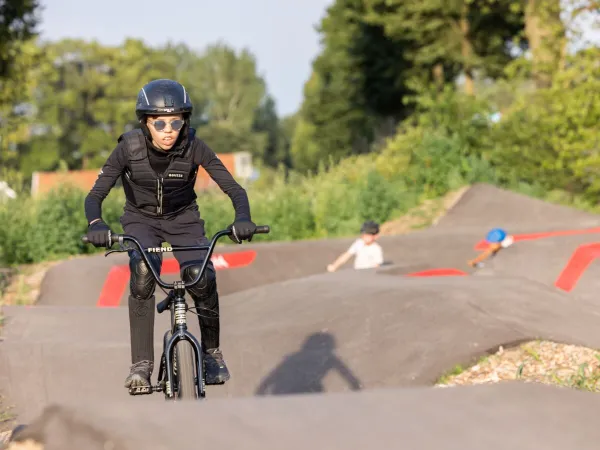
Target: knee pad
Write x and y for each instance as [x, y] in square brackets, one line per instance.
[142, 283]
[207, 284]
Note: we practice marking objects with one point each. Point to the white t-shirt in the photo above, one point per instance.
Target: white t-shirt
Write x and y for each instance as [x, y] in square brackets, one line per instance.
[366, 256]
[507, 242]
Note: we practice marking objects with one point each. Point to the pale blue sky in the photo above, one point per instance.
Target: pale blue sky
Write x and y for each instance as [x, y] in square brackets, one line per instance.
[279, 32]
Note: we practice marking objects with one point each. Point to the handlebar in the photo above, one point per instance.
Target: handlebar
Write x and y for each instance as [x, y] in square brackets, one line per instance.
[120, 238]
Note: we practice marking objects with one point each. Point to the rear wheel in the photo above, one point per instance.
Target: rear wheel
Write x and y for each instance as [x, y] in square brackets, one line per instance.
[185, 369]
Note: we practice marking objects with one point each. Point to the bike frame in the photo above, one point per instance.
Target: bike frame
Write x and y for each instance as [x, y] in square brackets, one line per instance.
[175, 301]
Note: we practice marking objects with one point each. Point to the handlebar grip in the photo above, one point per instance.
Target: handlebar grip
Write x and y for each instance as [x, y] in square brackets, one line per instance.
[263, 229]
[114, 237]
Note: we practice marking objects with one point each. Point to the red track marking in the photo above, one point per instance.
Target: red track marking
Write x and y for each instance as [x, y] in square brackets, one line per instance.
[581, 258]
[118, 276]
[482, 245]
[113, 288]
[437, 273]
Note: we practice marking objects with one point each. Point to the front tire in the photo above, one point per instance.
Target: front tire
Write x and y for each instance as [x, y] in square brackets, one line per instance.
[186, 370]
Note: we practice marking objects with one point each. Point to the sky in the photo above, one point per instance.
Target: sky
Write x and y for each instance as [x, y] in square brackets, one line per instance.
[280, 33]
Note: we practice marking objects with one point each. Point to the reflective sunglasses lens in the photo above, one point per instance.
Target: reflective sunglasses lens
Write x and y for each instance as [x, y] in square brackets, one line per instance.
[159, 125]
[177, 124]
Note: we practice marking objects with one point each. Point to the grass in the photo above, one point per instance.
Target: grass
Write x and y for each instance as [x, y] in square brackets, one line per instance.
[457, 370]
[447, 376]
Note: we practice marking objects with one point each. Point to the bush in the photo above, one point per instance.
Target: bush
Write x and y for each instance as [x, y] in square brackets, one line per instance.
[378, 197]
[38, 229]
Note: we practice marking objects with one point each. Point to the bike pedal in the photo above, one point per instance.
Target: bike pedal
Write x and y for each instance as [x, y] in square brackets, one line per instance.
[140, 390]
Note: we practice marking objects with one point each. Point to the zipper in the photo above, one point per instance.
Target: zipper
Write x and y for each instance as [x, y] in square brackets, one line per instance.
[159, 194]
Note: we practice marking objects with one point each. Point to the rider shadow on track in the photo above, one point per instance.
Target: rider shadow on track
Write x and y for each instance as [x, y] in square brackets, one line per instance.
[303, 371]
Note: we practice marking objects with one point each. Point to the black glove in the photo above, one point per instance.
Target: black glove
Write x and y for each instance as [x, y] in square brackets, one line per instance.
[242, 229]
[98, 234]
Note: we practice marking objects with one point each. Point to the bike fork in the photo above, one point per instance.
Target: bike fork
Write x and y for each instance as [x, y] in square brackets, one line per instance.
[179, 332]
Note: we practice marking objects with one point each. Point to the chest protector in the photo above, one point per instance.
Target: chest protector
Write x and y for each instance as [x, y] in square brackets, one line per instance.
[158, 194]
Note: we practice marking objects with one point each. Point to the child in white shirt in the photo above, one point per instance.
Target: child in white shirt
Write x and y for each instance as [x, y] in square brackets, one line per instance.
[367, 253]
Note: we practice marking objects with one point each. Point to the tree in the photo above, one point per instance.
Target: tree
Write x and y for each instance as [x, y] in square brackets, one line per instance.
[357, 91]
[232, 86]
[287, 128]
[188, 70]
[16, 97]
[18, 20]
[466, 36]
[276, 151]
[233, 92]
[303, 147]
[550, 136]
[85, 99]
[550, 24]
[18, 57]
[546, 35]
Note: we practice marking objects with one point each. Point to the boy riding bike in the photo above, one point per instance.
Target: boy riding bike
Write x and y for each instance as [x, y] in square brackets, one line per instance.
[158, 165]
[497, 239]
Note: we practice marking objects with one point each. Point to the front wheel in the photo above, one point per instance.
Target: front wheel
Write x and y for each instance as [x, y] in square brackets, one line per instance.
[185, 367]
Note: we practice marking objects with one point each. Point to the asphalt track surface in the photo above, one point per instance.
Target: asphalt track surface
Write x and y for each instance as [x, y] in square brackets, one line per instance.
[364, 348]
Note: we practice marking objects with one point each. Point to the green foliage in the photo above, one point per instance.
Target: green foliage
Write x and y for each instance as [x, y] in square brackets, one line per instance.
[458, 36]
[15, 92]
[378, 54]
[288, 207]
[276, 151]
[50, 227]
[84, 100]
[442, 146]
[356, 92]
[550, 135]
[18, 21]
[379, 197]
[81, 98]
[232, 85]
[304, 149]
[36, 230]
[223, 138]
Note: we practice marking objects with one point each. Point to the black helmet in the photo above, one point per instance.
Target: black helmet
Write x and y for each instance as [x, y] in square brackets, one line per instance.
[370, 227]
[163, 97]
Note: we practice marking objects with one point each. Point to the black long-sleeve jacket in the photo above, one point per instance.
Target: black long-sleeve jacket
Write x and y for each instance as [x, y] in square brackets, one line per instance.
[158, 165]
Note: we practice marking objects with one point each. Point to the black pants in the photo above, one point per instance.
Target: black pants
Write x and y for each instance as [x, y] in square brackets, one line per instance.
[187, 228]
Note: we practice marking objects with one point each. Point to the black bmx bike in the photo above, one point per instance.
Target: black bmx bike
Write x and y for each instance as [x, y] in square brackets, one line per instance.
[181, 370]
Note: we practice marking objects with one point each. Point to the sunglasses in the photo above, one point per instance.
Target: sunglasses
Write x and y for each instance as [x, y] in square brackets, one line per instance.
[159, 125]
